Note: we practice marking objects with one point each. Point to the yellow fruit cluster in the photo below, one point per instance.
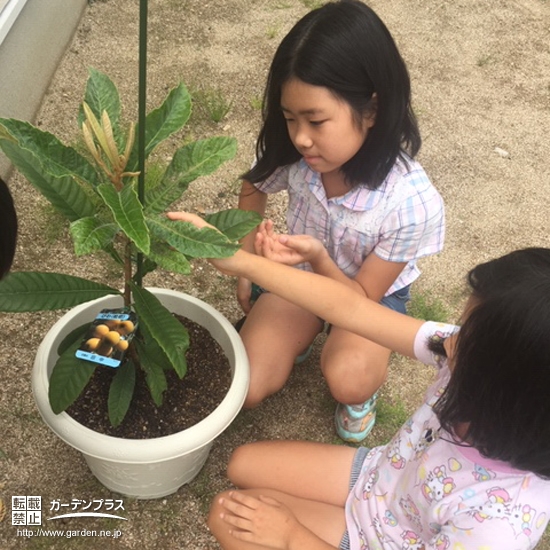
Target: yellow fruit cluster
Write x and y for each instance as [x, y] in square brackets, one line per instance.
[109, 336]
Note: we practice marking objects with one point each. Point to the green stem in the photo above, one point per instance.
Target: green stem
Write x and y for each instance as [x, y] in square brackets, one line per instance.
[127, 272]
[142, 109]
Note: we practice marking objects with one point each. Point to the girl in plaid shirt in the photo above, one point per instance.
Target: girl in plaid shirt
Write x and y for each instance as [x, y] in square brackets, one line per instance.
[339, 135]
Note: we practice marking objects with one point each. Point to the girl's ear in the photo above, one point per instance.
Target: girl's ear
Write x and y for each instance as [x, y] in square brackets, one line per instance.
[370, 117]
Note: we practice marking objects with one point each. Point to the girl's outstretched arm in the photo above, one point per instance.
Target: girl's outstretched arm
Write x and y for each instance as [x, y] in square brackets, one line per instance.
[328, 299]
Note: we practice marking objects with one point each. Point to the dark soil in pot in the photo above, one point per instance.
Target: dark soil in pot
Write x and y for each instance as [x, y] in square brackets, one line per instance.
[186, 402]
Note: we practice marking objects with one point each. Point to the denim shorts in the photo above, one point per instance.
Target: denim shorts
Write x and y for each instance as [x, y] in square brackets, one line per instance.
[398, 300]
[356, 465]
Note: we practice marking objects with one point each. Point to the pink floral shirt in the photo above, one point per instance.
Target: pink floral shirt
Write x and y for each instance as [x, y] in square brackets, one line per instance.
[423, 491]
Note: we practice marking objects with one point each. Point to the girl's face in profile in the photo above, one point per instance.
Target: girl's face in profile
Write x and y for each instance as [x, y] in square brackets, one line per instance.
[321, 127]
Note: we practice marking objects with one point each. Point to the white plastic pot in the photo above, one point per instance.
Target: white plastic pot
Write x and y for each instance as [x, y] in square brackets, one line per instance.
[145, 468]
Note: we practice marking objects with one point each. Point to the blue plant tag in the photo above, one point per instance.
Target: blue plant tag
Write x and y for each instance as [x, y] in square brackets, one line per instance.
[109, 337]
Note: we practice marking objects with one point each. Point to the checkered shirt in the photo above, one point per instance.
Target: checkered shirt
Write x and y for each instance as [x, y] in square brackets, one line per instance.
[401, 221]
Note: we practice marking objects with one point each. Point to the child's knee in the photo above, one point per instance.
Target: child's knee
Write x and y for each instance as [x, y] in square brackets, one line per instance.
[352, 394]
[353, 383]
[261, 388]
[238, 465]
[253, 399]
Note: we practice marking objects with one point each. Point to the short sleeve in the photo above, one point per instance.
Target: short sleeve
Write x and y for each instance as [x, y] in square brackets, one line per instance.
[278, 181]
[427, 338]
[415, 226]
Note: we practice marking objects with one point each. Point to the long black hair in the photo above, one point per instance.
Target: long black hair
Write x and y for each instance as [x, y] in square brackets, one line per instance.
[500, 385]
[8, 229]
[345, 47]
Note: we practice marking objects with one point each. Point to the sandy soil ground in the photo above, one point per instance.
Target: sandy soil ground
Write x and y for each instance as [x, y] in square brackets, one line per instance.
[481, 86]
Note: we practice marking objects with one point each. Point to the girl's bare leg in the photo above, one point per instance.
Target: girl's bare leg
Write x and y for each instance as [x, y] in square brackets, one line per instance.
[353, 367]
[311, 479]
[315, 471]
[274, 334]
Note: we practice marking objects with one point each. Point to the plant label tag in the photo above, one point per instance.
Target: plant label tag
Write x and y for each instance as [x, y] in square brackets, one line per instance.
[109, 337]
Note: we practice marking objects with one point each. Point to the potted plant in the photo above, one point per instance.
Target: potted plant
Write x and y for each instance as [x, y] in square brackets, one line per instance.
[97, 192]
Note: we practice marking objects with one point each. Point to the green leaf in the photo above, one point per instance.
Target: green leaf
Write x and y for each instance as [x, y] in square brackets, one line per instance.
[188, 163]
[34, 291]
[121, 392]
[90, 234]
[68, 379]
[154, 373]
[161, 123]
[169, 259]
[74, 336]
[59, 184]
[43, 152]
[234, 223]
[56, 158]
[114, 255]
[101, 95]
[163, 327]
[190, 240]
[153, 350]
[128, 213]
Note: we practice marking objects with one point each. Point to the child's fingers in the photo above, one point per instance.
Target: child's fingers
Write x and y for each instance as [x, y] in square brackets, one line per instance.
[283, 239]
[182, 216]
[264, 245]
[242, 525]
[243, 498]
[295, 243]
[266, 228]
[269, 228]
[259, 241]
[188, 217]
[240, 506]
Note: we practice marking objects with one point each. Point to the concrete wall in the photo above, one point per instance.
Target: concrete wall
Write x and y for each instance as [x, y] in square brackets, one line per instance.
[30, 54]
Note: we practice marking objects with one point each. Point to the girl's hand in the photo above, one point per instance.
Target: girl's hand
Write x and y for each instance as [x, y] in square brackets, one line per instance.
[263, 521]
[188, 217]
[229, 265]
[287, 249]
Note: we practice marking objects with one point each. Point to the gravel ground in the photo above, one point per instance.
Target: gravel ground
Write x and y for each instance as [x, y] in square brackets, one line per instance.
[481, 89]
